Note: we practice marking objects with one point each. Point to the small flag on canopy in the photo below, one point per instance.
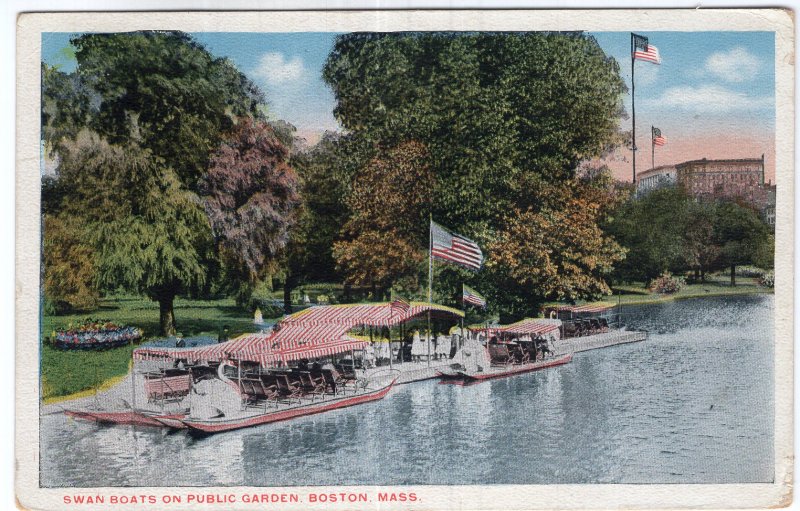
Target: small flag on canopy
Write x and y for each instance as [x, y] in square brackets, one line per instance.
[455, 248]
[658, 138]
[399, 306]
[472, 297]
[643, 50]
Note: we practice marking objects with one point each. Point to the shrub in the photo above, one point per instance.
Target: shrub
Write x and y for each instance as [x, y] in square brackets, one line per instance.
[666, 284]
[767, 279]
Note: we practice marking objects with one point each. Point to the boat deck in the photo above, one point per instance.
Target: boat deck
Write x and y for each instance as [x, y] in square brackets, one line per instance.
[118, 396]
[418, 371]
[592, 342]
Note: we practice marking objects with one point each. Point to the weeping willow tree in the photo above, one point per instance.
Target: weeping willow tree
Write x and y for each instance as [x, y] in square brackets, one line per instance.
[148, 231]
[134, 128]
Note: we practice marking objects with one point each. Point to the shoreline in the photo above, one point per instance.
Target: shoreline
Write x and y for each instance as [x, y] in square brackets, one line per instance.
[645, 300]
[649, 299]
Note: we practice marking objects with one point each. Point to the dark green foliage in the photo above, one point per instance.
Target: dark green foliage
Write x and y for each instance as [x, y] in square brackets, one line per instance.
[653, 229]
[505, 118]
[66, 106]
[133, 129]
[667, 230]
[499, 112]
[166, 92]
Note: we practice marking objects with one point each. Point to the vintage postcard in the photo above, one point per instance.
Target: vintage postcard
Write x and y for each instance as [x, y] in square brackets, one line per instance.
[429, 260]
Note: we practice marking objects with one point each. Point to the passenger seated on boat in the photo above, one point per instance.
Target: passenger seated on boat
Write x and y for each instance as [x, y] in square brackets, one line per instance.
[595, 325]
[544, 348]
[519, 355]
[455, 345]
[603, 325]
[499, 354]
[369, 356]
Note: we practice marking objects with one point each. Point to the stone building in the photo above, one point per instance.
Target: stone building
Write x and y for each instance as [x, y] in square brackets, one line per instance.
[725, 179]
[741, 179]
[650, 179]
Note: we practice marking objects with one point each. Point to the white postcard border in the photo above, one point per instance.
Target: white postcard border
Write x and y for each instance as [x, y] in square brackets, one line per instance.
[29, 30]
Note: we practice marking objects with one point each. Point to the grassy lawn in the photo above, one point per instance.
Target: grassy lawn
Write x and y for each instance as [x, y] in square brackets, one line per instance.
[68, 373]
[715, 285]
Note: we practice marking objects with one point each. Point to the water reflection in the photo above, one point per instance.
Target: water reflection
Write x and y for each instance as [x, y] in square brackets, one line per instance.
[692, 404]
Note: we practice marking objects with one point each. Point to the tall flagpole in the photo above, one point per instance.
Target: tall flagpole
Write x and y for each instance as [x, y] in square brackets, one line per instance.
[633, 104]
[430, 285]
[652, 147]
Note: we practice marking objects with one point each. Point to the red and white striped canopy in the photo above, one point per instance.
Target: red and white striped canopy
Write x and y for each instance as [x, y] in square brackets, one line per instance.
[589, 307]
[315, 332]
[237, 348]
[367, 314]
[531, 326]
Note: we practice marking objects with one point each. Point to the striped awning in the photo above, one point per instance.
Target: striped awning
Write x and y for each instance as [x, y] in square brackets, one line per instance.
[367, 314]
[531, 326]
[239, 348]
[315, 332]
[586, 308]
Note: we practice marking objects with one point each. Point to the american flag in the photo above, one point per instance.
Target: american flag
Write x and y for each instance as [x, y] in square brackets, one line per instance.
[399, 306]
[658, 139]
[469, 295]
[454, 248]
[643, 50]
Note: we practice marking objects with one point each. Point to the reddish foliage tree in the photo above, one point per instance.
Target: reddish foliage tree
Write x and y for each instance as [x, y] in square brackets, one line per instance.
[390, 201]
[251, 194]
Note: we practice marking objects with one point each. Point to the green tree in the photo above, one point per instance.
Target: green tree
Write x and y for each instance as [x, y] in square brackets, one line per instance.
[653, 229]
[160, 105]
[326, 173]
[505, 118]
[742, 235]
[166, 92]
[148, 232]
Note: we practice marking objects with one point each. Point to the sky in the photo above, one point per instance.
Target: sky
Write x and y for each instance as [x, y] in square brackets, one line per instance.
[713, 96]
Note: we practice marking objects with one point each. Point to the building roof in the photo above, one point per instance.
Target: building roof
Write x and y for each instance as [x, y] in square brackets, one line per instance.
[655, 170]
[729, 160]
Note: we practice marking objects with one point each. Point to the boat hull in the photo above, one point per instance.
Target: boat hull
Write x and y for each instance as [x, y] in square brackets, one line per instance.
[465, 378]
[218, 425]
[130, 418]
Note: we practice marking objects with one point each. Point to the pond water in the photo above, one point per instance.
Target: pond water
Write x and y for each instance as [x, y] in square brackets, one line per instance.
[692, 404]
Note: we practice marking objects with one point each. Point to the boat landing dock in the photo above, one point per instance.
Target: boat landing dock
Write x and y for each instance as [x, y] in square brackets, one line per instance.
[418, 371]
[592, 342]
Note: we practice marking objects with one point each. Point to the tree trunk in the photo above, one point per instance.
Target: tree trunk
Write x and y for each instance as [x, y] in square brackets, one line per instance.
[288, 285]
[166, 313]
[702, 274]
[733, 275]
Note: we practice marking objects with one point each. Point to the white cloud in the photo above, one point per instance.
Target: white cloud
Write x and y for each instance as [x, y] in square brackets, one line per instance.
[736, 65]
[710, 99]
[275, 68]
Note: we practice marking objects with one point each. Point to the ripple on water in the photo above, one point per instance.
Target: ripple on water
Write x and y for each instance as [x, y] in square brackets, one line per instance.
[693, 404]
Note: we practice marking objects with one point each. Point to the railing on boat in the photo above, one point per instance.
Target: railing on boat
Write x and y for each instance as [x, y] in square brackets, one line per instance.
[167, 385]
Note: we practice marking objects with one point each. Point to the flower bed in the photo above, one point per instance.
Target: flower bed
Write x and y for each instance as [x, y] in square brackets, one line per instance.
[95, 334]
